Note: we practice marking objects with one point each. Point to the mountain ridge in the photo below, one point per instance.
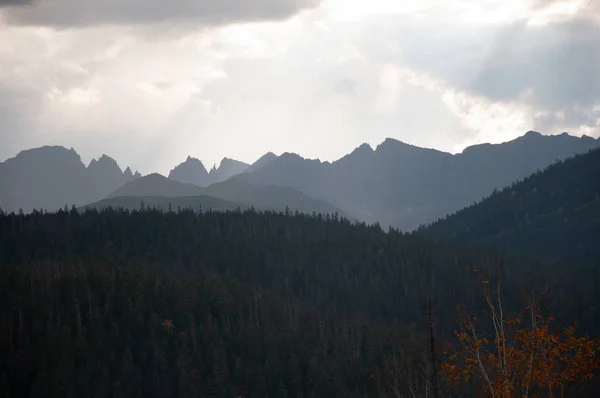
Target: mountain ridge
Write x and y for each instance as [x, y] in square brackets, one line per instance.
[404, 186]
[396, 184]
[50, 177]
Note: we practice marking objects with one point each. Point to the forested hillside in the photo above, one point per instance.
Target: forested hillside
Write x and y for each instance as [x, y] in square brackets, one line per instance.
[554, 213]
[153, 304]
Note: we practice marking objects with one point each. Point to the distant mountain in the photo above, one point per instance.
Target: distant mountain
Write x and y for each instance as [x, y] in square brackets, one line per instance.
[405, 186]
[192, 171]
[204, 202]
[52, 177]
[263, 161]
[227, 169]
[104, 175]
[156, 185]
[554, 213]
[394, 184]
[270, 197]
[129, 174]
[233, 191]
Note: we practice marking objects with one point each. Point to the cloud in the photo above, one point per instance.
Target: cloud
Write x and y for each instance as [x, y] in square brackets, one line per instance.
[18, 108]
[345, 86]
[428, 72]
[550, 68]
[73, 13]
[559, 65]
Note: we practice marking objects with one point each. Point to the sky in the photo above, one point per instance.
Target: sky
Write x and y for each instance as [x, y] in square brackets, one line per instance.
[149, 82]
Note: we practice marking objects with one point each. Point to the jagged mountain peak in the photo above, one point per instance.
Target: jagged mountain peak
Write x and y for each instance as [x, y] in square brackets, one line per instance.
[105, 162]
[227, 162]
[45, 152]
[394, 144]
[227, 168]
[261, 162]
[363, 149]
[192, 159]
[192, 171]
[359, 154]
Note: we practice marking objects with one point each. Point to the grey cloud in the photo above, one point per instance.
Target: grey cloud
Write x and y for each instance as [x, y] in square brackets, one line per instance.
[559, 64]
[13, 3]
[554, 67]
[568, 118]
[68, 13]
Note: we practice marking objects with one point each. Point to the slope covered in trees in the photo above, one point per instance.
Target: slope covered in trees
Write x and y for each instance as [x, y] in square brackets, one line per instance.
[148, 303]
[554, 213]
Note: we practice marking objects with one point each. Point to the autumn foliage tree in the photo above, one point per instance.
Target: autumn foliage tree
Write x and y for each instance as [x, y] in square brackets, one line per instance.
[522, 355]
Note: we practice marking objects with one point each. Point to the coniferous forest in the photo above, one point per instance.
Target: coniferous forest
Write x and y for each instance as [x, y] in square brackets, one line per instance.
[186, 303]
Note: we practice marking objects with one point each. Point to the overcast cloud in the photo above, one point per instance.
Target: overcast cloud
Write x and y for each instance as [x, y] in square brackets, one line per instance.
[152, 84]
[70, 13]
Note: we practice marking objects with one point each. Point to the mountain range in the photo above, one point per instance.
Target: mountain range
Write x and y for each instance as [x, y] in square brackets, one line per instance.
[395, 184]
[192, 171]
[51, 177]
[405, 186]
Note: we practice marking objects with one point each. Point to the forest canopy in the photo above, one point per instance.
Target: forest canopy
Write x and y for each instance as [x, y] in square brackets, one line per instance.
[192, 303]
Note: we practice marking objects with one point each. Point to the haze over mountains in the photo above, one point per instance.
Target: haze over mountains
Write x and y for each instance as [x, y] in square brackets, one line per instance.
[235, 192]
[51, 177]
[404, 186]
[192, 171]
[394, 184]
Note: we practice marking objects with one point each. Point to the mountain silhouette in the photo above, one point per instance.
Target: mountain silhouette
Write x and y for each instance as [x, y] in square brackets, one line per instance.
[156, 185]
[262, 161]
[104, 175]
[192, 171]
[52, 177]
[395, 184]
[233, 190]
[553, 214]
[227, 169]
[405, 186]
[270, 197]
